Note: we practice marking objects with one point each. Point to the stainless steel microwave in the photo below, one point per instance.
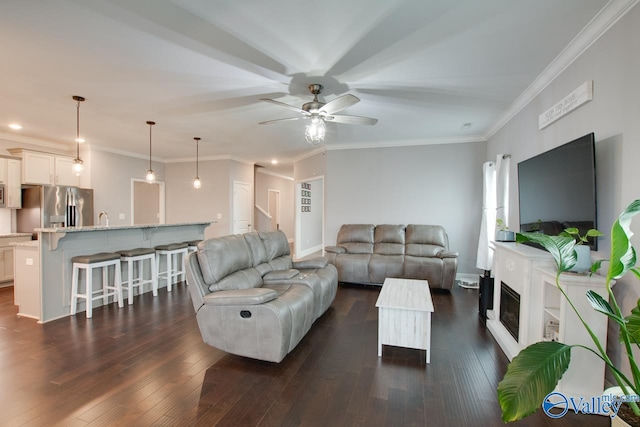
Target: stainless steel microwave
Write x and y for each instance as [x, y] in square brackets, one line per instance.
[2, 196]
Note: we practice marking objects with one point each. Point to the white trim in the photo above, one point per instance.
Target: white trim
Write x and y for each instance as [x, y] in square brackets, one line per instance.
[277, 175]
[309, 251]
[11, 137]
[271, 191]
[599, 25]
[406, 143]
[262, 211]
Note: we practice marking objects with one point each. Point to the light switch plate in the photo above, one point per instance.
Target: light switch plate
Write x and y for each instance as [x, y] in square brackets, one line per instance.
[121, 216]
[219, 216]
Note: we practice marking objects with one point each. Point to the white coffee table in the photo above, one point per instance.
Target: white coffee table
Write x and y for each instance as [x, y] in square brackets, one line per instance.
[404, 315]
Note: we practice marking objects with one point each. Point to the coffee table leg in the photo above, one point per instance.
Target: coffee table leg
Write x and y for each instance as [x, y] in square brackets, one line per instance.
[428, 337]
[380, 332]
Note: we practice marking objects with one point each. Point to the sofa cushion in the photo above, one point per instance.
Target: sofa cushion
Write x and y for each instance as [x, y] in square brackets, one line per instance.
[356, 238]
[275, 243]
[221, 256]
[383, 266]
[242, 279]
[389, 240]
[258, 251]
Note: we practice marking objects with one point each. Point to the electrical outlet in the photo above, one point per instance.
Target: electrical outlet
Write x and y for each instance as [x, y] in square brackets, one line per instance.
[219, 216]
[121, 216]
[29, 261]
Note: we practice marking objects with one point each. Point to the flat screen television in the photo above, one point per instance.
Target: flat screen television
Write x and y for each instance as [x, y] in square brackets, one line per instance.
[557, 189]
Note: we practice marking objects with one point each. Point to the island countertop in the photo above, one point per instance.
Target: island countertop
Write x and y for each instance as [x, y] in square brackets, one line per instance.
[116, 227]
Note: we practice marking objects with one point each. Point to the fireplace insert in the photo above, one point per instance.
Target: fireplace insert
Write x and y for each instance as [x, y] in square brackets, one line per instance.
[510, 309]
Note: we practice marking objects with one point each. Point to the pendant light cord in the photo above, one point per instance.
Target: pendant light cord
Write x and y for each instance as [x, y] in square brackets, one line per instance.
[78, 130]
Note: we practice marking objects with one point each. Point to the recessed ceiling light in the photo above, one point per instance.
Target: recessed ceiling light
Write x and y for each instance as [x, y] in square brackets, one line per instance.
[15, 126]
[274, 162]
[466, 126]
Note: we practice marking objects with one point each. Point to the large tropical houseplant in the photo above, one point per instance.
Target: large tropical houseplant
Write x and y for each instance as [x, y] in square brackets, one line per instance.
[536, 370]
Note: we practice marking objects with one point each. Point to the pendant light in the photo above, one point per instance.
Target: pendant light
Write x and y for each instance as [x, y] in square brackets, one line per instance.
[196, 181]
[151, 176]
[78, 164]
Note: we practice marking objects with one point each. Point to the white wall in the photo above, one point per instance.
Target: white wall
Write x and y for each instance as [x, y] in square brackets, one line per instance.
[186, 204]
[430, 184]
[613, 63]
[311, 223]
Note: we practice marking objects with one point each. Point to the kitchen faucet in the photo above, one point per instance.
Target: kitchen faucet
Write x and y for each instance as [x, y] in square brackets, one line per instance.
[106, 218]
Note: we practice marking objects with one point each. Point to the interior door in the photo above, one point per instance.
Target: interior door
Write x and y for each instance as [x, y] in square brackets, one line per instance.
[147, 203]
[242, 212]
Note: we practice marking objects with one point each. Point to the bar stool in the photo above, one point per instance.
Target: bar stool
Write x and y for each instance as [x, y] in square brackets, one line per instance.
[174, 266]
[192, 245]
[88, 263]
[132, 259]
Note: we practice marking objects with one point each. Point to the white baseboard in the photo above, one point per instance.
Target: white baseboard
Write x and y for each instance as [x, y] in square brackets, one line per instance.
[310, 251]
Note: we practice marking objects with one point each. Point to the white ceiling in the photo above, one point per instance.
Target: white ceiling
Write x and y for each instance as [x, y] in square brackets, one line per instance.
[199, 68]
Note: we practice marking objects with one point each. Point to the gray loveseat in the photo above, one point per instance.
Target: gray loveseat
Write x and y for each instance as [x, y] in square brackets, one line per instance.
[368, 254]
[251, 299]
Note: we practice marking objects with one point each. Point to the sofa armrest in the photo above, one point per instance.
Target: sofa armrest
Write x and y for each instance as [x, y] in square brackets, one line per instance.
[280, 275]
[447, 254]
[317, 262]
[252, 296]
[335, 249]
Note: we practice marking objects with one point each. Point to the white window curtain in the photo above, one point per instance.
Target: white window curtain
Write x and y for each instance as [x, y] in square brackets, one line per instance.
[495, 204]
[484, 258]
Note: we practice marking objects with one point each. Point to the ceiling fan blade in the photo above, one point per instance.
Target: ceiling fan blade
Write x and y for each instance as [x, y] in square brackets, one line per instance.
[282, 104]
[340, 103]
[268, 122]
[351, 120]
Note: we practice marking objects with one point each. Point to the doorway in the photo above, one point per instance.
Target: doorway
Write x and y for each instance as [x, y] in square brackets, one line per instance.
[147, 202]
[273, 197]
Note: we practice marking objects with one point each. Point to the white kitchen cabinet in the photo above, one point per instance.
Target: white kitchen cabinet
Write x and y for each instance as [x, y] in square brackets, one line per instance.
[11, 178]
[6, 256]
[63, 172]
[37, 168]
[46, 168]
[13, 185]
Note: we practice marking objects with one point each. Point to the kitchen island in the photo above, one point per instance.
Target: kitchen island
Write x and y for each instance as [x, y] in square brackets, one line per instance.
[43, 268]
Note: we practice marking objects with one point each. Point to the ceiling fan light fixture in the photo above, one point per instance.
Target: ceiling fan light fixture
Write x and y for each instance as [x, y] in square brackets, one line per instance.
[315, 132]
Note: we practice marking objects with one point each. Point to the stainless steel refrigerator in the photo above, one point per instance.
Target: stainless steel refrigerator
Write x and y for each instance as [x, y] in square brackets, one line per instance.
[45, 206]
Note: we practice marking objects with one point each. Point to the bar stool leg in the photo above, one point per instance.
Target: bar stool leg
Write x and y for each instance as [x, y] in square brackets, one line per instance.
[74, 292]
[130, 266]
[118, 284]
[169, 272]
[89, 292]
[154, 276]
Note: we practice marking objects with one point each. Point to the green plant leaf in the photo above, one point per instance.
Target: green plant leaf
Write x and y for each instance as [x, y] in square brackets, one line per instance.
[593, 233]
[572, 231]
[560, 248]
[603, 306]
[633, 323]
[623, 255]
[530, 376]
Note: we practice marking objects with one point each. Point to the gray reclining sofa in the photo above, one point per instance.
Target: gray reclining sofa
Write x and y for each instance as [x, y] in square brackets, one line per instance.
[251, 299]
[368, 254]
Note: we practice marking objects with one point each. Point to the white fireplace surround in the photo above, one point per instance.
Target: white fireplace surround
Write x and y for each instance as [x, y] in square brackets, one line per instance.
[531, 272]
[514, 264]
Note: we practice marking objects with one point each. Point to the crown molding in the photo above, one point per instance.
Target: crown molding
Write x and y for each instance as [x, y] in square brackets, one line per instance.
[306, 155]
[406, 143]
[599, 25]
[12, 137]
[277, 175]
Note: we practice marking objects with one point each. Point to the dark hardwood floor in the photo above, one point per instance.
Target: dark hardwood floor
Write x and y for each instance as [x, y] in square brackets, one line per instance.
[146, 365]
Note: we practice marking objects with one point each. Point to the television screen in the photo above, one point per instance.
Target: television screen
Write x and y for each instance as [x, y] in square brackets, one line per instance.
[557, 189]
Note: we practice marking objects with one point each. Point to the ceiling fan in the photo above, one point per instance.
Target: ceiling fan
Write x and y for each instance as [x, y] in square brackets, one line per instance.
[319, 112]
